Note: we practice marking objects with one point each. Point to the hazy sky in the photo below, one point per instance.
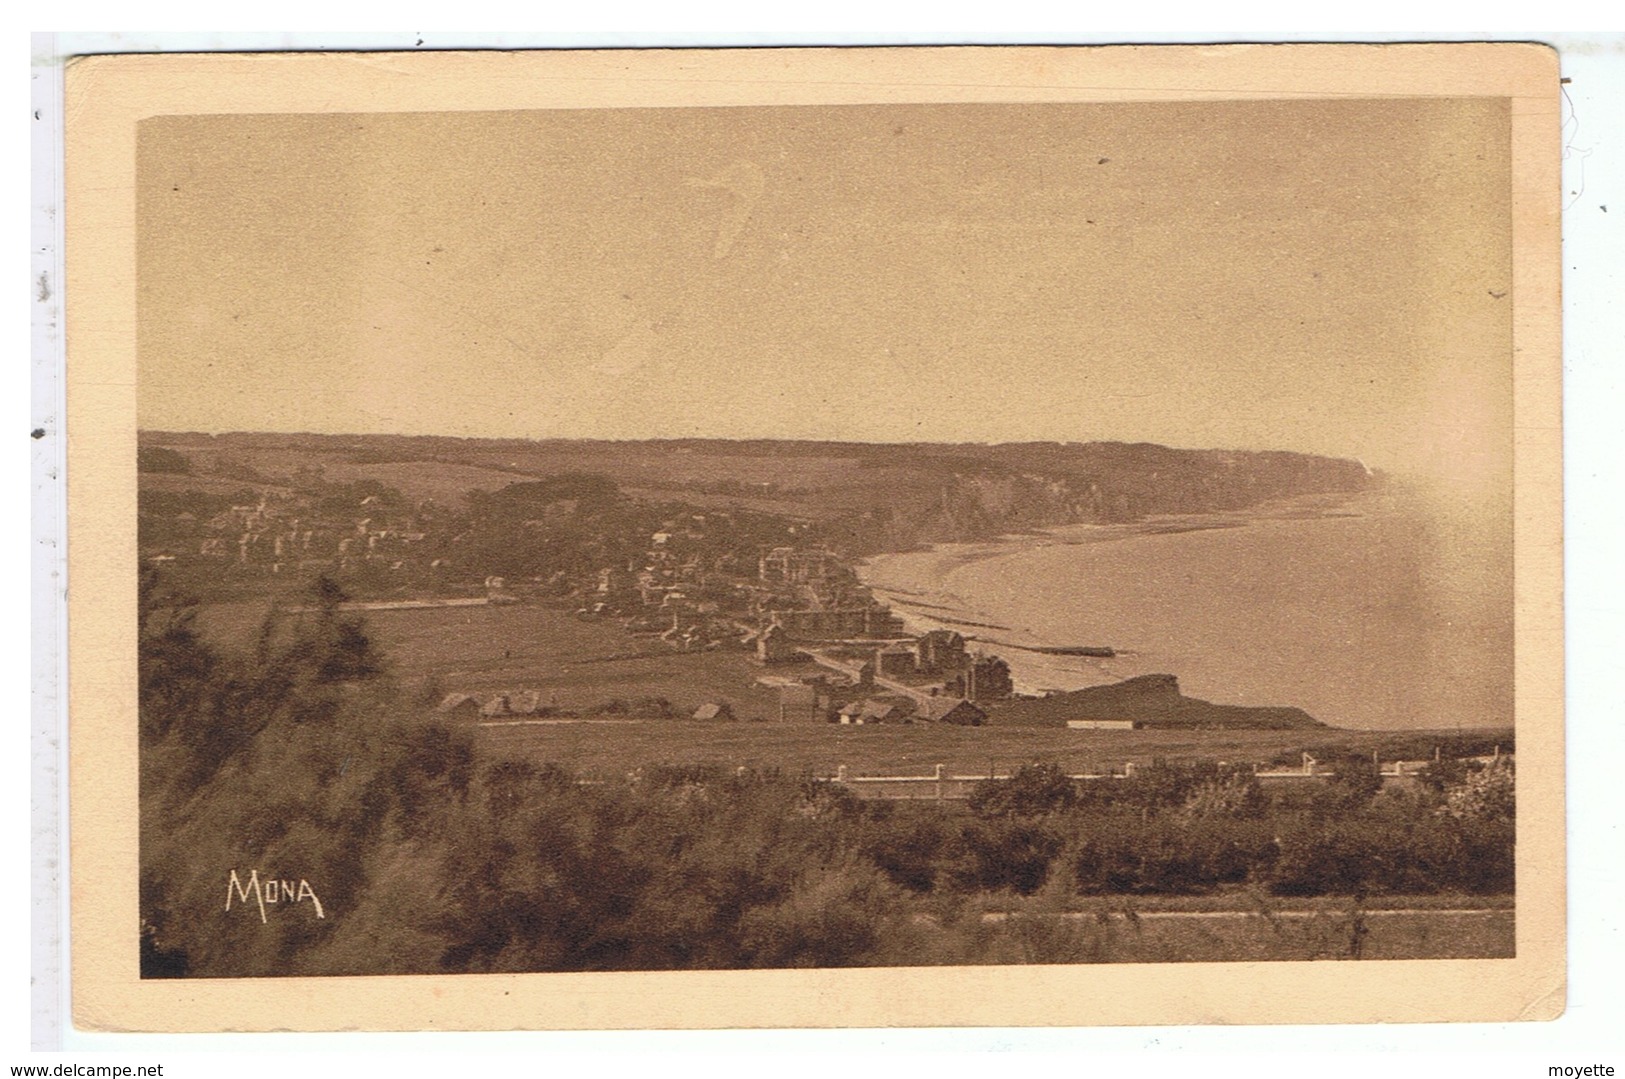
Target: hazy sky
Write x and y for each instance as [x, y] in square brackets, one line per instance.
[1329, 276]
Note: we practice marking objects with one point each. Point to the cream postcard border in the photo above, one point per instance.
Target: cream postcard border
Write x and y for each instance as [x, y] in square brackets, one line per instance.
[107, 97]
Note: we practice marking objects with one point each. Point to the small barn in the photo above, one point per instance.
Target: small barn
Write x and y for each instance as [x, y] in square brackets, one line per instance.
[525, 703]
[851, 712]
[715, 710]
[876, 710]
[952, 710]
[496, 706]
[459, 705]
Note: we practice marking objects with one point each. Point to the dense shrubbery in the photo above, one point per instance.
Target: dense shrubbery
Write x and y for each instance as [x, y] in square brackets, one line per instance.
[299, 760]
[1033, 791]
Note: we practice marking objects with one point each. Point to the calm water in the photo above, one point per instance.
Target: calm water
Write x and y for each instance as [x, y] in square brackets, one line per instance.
[1385, 612]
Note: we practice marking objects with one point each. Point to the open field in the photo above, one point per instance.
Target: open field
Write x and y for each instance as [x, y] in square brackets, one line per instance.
[174, 482]
[573, 663]
[1230, 901]
[448, 484]
[446, 469]
[886, 750]
[1252, 937]
[445, 482]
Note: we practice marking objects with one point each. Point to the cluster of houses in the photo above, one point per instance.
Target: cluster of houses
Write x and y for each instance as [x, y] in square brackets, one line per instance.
[279, 533]
[804, 605]
[932, 678]
[953, 710]
[697, 603]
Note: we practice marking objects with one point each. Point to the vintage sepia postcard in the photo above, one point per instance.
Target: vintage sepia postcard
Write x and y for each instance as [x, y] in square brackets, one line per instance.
[815, 537]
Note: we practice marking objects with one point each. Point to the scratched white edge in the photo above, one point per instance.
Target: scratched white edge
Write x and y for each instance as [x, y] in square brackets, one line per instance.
[48, 656]
[49, 661]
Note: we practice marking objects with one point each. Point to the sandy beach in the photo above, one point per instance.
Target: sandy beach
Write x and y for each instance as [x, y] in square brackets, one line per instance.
[1350, 611]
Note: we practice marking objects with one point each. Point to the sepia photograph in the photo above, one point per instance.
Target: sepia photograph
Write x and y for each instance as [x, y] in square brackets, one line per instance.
[817, 532]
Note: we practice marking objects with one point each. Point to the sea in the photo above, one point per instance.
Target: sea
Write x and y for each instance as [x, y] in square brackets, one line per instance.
[1387, 610]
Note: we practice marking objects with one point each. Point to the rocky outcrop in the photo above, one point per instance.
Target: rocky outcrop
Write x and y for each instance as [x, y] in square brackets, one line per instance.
[1153, 701]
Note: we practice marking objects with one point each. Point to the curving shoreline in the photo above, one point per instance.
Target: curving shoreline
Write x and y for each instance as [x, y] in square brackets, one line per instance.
[1344, 609]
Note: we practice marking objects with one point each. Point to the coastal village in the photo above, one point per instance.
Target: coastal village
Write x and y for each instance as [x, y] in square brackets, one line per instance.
[763, 598]
[801, 607]
[795, 606]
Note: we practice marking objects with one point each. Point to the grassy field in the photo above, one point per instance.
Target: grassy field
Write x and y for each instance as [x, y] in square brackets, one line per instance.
[885, 750]
[1248, 937]
[446, 483]
[173, 482]
[1250, 900]
[574, 664]
[803, 481]
[445, 469]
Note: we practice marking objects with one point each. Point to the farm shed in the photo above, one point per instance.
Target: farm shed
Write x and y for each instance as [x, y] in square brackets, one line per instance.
[525, 703]
[952, 710]
[875, 710]
[462, 705]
